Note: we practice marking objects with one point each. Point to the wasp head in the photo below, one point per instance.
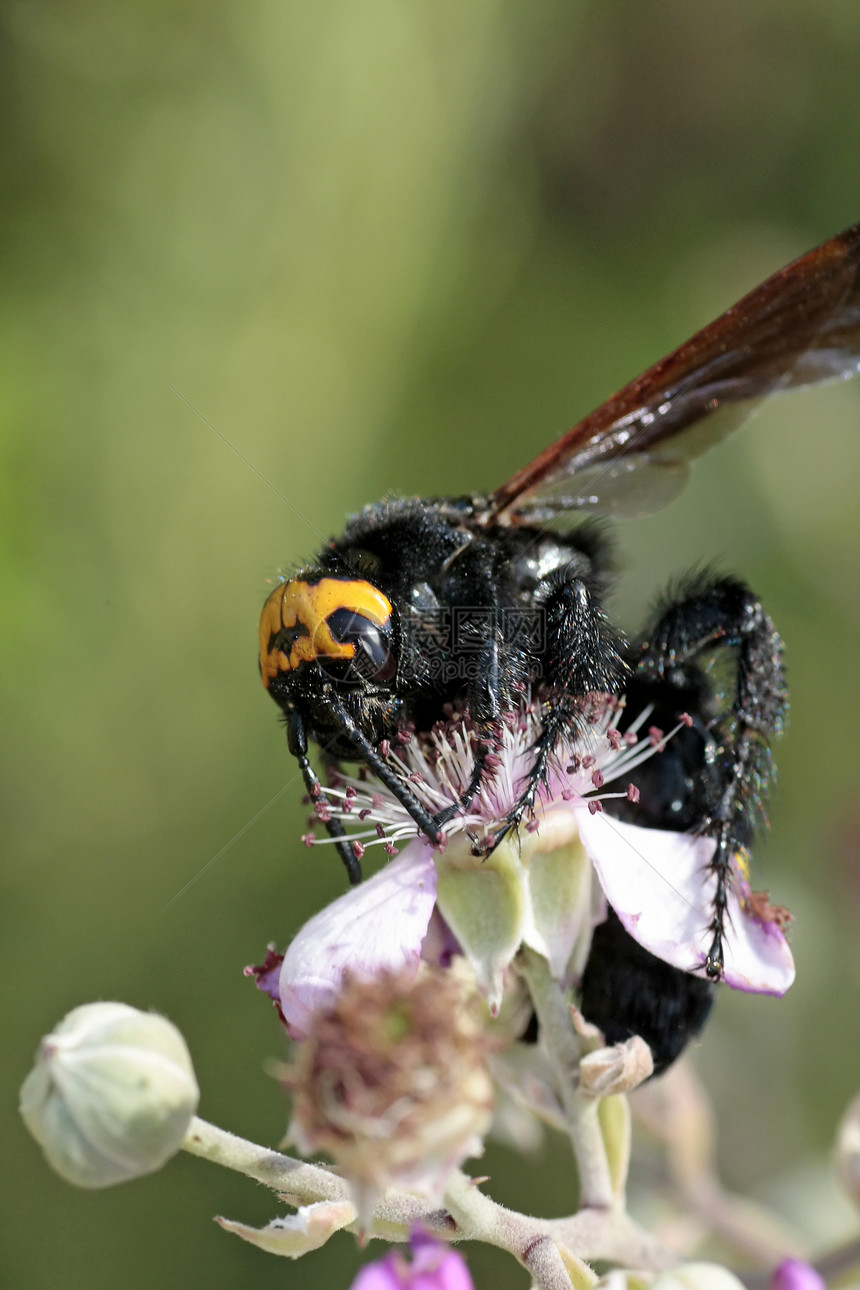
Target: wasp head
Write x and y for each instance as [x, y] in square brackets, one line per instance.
[339, 629]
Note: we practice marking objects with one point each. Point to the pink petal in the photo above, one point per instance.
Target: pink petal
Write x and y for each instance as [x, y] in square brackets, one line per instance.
[443, 1269]
[440, 944]
[794, 1274]
[374, 927]
[660, 886]
[434, 1266]
[267, 973]
[452, 1274]
[381, 1275]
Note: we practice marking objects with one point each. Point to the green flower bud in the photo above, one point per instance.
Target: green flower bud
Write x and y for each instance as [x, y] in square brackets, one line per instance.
[111, 1095]
[848, 1151]
[697, 1276]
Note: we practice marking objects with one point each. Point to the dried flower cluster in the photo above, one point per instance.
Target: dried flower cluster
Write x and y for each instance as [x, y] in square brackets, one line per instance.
[393, 1083]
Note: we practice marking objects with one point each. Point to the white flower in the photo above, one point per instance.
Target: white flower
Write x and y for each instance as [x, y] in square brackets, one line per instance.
[537, 889]
[697, 1276]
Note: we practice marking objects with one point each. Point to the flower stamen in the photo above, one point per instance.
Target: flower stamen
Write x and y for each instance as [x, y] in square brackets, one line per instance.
[438, 767]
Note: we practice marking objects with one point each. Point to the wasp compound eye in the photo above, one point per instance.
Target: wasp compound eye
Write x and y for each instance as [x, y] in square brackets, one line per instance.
[372, 659]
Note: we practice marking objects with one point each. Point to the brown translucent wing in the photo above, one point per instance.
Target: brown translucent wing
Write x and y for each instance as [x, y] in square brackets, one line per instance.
[631, 456]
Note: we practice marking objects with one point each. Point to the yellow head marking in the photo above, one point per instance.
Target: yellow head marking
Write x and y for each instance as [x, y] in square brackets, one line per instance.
[302, 608]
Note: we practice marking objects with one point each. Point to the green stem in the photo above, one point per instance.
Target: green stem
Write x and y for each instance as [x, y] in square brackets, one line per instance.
[581, 1113]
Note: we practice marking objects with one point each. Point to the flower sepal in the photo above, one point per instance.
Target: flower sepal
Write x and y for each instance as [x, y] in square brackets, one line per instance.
[293, 1235]
[483, 900]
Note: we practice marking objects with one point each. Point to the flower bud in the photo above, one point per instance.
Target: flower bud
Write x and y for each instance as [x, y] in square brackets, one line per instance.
[697, 1276]
[618, 1069]
[111, 1095]
[848, 1151]
[392, 1082]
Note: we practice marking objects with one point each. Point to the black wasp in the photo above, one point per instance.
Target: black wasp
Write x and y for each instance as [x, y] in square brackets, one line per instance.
[340, 656]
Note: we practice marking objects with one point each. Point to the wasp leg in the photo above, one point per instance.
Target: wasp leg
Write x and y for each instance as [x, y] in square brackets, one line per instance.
[485, 706]
[715, 614]
[383, 772]
[297, 741]
[582, 656]
[625, 990]
[478, 776]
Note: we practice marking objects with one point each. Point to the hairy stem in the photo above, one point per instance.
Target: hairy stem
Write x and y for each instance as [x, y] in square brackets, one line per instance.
[583, 1126]
[548, 1248]
[304, 1184]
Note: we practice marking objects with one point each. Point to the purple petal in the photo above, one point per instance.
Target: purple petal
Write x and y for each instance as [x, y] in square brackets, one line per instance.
[435, 1267]
[440, 945]
[374, 927]
[794, 1274]
[450, 1273]
[267, 973]
[662, 889]
[382, 1275]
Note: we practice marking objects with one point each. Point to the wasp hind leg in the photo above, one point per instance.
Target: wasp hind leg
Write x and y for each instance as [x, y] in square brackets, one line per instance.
[741, 717]
[712, 776]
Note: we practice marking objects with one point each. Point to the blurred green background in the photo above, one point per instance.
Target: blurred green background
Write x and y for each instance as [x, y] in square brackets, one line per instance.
[383, 246]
